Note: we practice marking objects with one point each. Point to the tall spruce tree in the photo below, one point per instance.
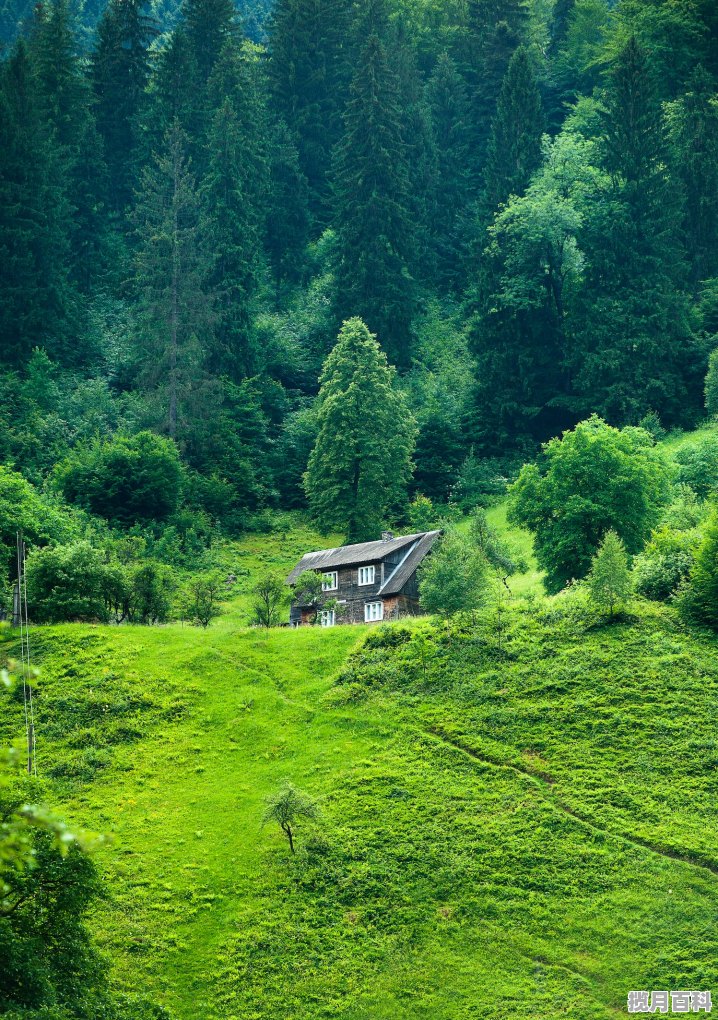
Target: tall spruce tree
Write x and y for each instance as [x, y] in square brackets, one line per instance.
[66, 109]
[172, 267]
[358, 474]
[39, 302]
[448, 103]
[371, 181]
[120, 74]
[309, 73]
[494, 28]
[514, 149]
[208, 25]
[693, 128]
[235, 191]
[288, 216]
[636, 346]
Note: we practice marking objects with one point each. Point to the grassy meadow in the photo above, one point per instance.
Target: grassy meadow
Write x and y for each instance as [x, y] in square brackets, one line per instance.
[515, 822]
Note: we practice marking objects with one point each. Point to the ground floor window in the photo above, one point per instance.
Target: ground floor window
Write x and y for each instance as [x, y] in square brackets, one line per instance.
[373, 611]
[327, 618]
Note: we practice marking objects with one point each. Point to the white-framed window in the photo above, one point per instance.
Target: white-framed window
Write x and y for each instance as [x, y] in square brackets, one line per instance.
[327, 618]
[330, 581]
[367, 575]
[373, 611]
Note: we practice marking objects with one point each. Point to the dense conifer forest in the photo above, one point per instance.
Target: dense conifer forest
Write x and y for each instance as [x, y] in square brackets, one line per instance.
[278, 275]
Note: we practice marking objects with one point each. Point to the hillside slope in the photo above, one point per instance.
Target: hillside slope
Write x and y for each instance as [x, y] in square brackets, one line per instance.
[525, 831]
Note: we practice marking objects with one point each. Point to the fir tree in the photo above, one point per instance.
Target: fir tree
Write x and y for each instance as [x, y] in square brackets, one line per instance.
[172, 266]
[361, 463]
[208, 25]
[65, 106]
[371, 199]
[288, 213]
[494, 29]
[309, 74]
[514, 149]
[701, 598]
[234, 195]
[448, 103]
[637, 348]
[120, 74]
[38, 304]
[693, 128]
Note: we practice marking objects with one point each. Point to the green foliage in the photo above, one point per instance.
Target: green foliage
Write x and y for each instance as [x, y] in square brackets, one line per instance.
[40, 518]
[698, 464]
[151, 589]
[594, 479]
[286, 807]
[453, 578]
[422, 514]
[700, 599]
[74, 582]
[360, 464]
[609, 579]
[126, 479]
[663, 566]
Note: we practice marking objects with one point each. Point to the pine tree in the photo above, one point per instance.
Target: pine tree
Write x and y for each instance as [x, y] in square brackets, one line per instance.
[361, 462]
[609, 580]
[371, 199]
[120, 74]
[235, 190]
[514, 149]
[172, 265]
[38, 304]
[448, 103]
[309, 74]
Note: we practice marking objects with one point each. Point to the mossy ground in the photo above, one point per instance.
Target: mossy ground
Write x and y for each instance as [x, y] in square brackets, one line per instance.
[524, 830]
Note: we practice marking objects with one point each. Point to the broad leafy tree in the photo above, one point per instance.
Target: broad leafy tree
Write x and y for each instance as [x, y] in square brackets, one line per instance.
[594, 479]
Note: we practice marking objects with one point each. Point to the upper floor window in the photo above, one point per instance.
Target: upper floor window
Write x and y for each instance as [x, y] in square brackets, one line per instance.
[330, 581]
[327, 618]
[367, 575]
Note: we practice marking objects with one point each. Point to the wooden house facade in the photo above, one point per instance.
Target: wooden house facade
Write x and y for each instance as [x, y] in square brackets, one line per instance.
[364, 583]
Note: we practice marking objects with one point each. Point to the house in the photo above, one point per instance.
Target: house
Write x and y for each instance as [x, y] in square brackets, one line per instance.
[364, 583]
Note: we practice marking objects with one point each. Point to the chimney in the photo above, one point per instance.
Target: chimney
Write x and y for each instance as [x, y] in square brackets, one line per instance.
[387, 536]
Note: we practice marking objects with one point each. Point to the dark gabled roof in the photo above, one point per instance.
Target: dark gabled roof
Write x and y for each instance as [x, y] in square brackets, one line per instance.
[363, 552]
[414, 555]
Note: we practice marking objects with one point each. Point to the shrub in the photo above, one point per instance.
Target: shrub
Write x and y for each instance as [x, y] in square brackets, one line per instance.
[269, 596]
[73, 582]
[151, 588]
[200, 601]
[698, 464]
[665, 563]
[126, 479]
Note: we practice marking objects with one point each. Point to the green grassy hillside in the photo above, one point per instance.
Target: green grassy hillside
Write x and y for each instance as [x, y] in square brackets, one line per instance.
[518, 831]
